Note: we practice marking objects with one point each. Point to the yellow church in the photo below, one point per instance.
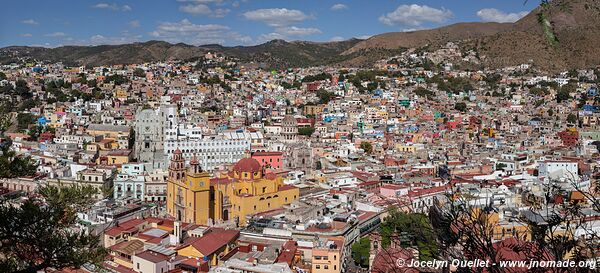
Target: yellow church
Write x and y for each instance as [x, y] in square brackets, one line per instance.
[247, 189]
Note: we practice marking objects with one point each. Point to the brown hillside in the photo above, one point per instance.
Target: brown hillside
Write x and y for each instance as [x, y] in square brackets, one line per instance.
[456, 32]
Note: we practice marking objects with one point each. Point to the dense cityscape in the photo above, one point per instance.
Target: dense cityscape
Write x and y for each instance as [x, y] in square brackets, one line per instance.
[426, 160]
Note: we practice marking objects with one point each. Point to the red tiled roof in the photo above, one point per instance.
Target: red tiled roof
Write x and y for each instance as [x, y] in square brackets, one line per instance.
[427, 191]
[196, 263]
[288, 252]
[286, 187]
[214, 240]
[365, 215]
[152, 256]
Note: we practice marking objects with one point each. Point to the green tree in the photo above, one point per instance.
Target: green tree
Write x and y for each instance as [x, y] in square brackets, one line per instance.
[140, 73]
[539, 91]
[22, 89]
[367, 147]
[324, 96]
[562, 96]
[572, 118]
[2, 76]
[361, 251]
[423, 92]
[318, 77]
[460, 106]
[41, 233]
[24, 120]
[564, 93]
[5, 122]
[372, 86]
[410, 230]
[13, 165]
[306, 131]
[117, 79]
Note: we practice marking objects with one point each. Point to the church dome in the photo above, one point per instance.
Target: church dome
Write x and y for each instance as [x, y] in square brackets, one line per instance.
[249, 165]
[289, 121]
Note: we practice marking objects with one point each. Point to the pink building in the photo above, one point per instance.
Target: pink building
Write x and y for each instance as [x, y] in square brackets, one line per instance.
[269, 160]
[392, 190]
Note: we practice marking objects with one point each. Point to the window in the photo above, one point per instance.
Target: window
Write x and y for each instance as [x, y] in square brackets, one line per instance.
[325, 267]
[138, 266]
[317, 267]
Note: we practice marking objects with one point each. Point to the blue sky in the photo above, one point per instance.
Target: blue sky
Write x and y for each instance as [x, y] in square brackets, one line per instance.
[234, 22]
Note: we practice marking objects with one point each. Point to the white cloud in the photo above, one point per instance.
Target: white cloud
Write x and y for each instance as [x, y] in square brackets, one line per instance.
[276, 17]
[26, 35]
[337, 39]
[112, 6]
[134, 24]
[494, 15]
[30, 22]
[339, 7]
[297, 31]
[188, 32]
[288, 33]
[364, 37]
[98, 39]
[202, 9]
[220, 13]
[196, 9]
[55, 34]
[415, 15]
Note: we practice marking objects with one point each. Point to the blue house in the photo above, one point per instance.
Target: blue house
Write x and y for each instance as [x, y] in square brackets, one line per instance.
[377, 93]
[591, 108]
[42, 121]
[535, 121]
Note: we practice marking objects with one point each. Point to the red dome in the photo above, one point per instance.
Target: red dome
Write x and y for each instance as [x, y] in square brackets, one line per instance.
[247, 165]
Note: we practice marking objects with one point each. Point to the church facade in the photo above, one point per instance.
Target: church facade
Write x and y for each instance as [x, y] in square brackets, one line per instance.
[247, 189]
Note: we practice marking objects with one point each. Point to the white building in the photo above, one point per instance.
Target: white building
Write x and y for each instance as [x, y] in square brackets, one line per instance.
[130, 182]
[558, 170]
[212, 151]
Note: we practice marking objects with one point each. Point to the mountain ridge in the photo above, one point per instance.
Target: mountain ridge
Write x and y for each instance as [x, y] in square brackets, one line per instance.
[558, 36]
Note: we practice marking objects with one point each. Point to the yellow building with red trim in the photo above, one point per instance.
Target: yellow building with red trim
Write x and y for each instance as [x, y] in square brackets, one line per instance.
[248, 189]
